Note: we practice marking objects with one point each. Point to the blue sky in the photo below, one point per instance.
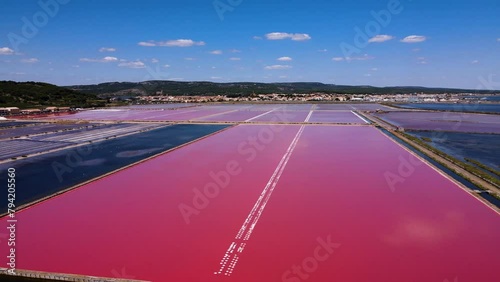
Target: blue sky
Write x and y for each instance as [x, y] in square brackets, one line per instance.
[365, 42]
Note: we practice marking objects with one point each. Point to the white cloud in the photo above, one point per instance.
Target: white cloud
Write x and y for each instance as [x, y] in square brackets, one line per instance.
[30, 60]
[154, 61]
[257, 38]
[374, 69]
[323, 50]
[189, 59]
[132, 65]
[6, 51]
[475, 62]
[183, 43]
[414, 39]
[172, 43]
[361, 58]
[284, 35]
[216, 52]
[235, 51]
[110, 59]
[422, 60]
[106, 49]
[235, 59]
[146, 44]
[285, 59]
[380, 38]
[278, 67]
[215, 77]
[103, 60]
[166, 66]
[368, 74]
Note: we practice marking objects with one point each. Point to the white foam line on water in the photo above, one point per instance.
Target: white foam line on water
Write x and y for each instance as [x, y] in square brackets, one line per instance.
[362, 118]
[214, 115]
[256, 117]
[309, 116]
[231, 255]
[167, 115]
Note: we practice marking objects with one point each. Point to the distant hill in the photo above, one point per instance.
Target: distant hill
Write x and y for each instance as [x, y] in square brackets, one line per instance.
[39, 94]
[177, 88]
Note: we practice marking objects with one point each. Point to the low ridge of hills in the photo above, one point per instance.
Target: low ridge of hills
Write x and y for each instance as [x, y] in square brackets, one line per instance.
[204, 88]
[39, 94]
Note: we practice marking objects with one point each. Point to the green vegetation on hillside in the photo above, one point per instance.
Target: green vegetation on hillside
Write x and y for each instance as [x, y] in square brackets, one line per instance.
[38, 94]
[203, 88]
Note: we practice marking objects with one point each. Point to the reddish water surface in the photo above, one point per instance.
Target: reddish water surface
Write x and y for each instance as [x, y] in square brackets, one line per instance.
[233, 116]
[332, 189]
[130, 222]
[283, 116]
[109, 114]
[447, 121]
[227, 107]
[166, 115]
[335, 116]
[196, 114]
[160, 106]
[361, 107]
[38, 116]
[124, 114]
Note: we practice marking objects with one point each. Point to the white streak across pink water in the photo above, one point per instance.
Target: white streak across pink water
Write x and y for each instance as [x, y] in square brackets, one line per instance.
[318, 181]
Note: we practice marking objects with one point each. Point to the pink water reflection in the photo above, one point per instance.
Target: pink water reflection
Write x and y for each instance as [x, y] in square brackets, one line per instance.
[333, 187]
[425, 229]
[335, 116]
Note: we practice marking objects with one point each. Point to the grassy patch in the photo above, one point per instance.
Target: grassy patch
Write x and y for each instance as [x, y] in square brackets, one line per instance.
[487, 168]
[470, 168]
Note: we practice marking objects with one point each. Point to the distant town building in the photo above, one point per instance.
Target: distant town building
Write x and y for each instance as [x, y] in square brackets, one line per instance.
[13, 110]
[51, 109]
[31, 111]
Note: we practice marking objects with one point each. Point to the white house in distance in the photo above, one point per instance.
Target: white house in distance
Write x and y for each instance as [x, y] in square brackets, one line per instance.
[9, 111]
